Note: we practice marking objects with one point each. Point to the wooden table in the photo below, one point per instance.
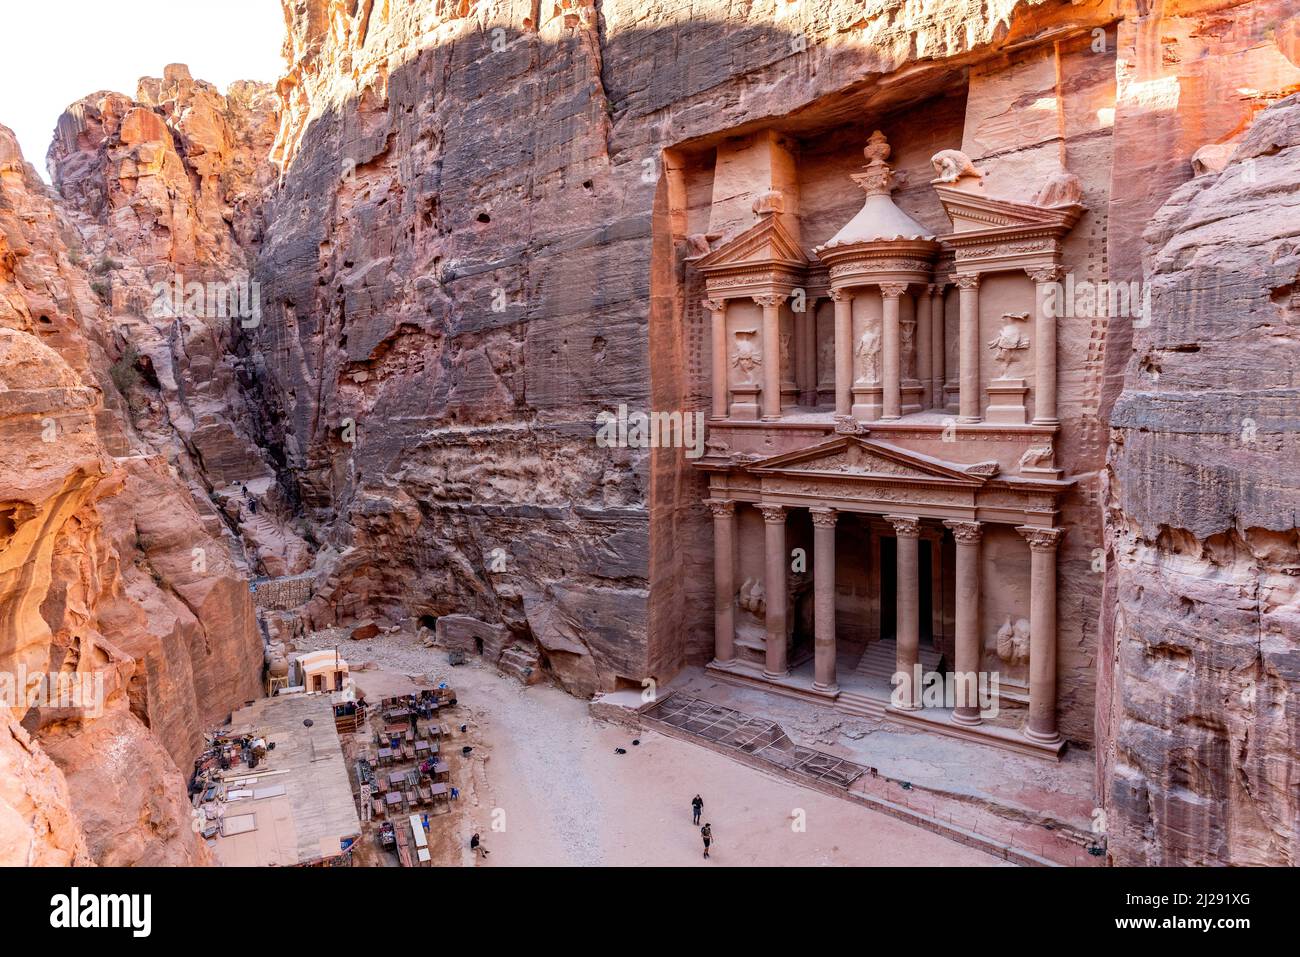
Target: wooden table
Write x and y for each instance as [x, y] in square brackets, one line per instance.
[421, 747]
[385, 754]
[393, 797]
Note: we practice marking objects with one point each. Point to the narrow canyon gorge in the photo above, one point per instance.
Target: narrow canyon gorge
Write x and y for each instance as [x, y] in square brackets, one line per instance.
[453, 235]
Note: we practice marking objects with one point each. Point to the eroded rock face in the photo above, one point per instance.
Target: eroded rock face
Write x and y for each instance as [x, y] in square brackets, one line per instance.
[461, 274]
[1202, 764]
[100, 545]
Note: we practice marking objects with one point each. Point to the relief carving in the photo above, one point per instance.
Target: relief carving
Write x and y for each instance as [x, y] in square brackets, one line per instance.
[746, 357]
[868, 356]
[1013, 641]
[1009, 341]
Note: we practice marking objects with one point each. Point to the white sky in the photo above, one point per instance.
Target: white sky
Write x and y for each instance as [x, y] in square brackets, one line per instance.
[54, 52]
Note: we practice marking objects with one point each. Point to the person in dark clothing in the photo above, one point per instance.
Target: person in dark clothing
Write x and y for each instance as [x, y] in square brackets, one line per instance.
[415, 726]
[697, 805]
[706, 832]
[477, 846]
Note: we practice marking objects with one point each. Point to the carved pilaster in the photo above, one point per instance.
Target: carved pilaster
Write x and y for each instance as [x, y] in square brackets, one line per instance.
[773, 514]
[721, 508]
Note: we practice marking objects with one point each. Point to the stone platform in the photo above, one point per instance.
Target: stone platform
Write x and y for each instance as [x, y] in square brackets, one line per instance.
[1020, 808]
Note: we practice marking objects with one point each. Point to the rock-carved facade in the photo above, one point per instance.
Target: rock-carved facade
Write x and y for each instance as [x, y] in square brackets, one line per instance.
[920, 462]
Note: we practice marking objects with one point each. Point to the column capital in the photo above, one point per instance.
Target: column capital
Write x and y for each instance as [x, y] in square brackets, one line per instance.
[1041, 274]
[768, 300]
[773, 514]
[905, 526]
[966, 280]
[721, 507]
[1041, 539]
[966, 533]
[714, 305]
[823, 517]
[892, 290]
[841, 295]
[936, 288]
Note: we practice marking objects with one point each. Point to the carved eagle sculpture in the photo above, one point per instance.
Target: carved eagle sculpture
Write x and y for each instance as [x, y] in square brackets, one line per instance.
[952, 165]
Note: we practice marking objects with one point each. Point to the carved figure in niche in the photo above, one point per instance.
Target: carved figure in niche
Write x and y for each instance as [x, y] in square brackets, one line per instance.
[1010, 340]
[746, 358]
[952, 165]
[1013, 641]
[752, 598]
[868, 353]
[907, 334]
[826, 359]
[1037, 457]
[785, 353]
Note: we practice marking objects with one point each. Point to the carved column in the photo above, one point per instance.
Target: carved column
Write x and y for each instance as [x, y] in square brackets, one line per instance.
[843, 300]
[923, 346]
[938, 346]
[907, 605]
[892, 361]
[1044, 346]
[969, 342]
[967, 666]
[724, 579]
[775, 585]
[771, 354]
[824, 599]
[718, 310]
[1042, 633]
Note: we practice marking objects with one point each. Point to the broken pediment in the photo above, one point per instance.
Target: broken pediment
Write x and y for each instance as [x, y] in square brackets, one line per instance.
[858, 457]
[765, 243]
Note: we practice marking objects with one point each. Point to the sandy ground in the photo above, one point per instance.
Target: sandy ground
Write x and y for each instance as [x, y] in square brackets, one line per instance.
[545, 786]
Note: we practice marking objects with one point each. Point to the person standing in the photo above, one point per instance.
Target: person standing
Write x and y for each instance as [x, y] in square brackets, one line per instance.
[697, 805]
[706, 832]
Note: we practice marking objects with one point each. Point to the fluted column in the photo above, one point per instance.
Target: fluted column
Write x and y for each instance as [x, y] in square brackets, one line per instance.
[771, 354]
[724, 579]
[907, 605]
[969, 342]
[718, 311]
[967, 665]
[1044, 345]
[843, 300]
[824, 599]
[1042, 633]
[938, 345]
[890, 371]
[922, 313]
[775, 585]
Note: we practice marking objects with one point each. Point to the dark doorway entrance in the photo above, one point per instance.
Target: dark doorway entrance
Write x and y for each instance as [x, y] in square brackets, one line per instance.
[889, 589]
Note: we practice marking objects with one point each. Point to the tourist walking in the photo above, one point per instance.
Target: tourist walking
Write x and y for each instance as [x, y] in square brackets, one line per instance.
[697, 805]
[706, 832]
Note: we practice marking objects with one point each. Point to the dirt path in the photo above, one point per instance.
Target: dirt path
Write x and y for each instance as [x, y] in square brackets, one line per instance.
[544, 785]
[564, 796]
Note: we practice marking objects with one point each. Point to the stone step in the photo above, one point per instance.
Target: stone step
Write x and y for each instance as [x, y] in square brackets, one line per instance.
[850, 702]
[880, 660]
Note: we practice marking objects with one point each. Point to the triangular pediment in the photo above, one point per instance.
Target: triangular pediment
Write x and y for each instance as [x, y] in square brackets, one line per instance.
[766, 242]
[974, 212]
[865, 458]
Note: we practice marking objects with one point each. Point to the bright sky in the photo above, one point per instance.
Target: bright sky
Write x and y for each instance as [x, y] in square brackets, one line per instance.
[54, 52]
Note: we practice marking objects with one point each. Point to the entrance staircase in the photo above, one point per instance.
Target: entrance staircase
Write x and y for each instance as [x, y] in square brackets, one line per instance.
[877, 667]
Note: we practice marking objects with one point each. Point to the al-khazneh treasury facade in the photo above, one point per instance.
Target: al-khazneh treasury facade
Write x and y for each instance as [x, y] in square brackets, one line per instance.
[884, 459]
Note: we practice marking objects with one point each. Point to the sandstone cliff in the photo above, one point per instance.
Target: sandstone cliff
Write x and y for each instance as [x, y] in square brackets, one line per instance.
[115, 568]
[1201, 521]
